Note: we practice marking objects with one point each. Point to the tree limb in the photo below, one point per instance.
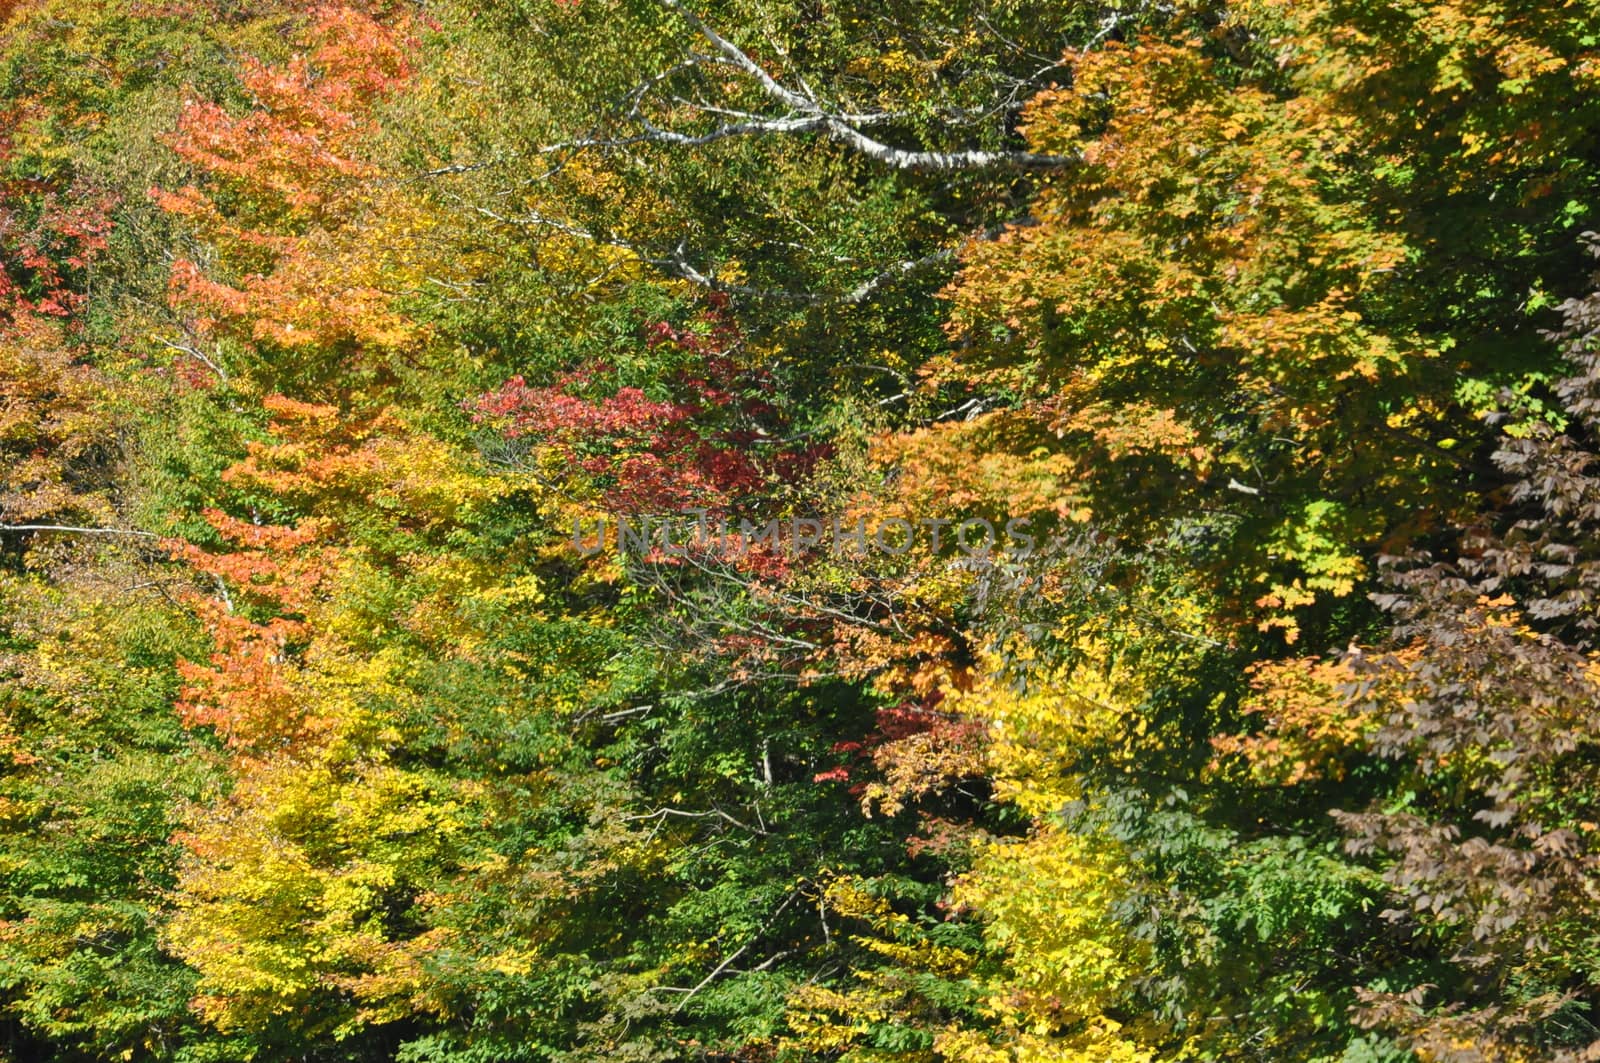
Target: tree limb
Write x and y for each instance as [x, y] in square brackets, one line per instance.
[76, 530]
[806, 114]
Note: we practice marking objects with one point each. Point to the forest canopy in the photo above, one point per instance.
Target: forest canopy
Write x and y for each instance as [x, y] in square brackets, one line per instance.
[930, 531]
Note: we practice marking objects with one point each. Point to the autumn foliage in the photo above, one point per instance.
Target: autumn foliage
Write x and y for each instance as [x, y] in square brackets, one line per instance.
[340, 342]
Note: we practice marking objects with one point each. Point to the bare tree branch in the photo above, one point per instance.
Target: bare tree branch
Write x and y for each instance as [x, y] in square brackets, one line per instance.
[77, 530]
[193, 351]
[688, 994]
[808, 113]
